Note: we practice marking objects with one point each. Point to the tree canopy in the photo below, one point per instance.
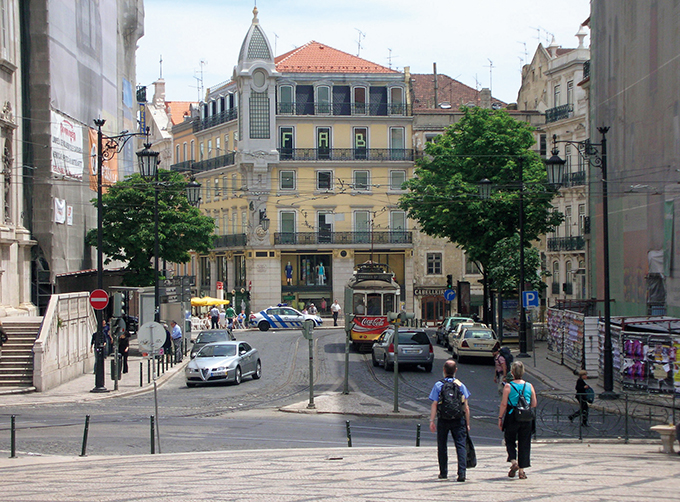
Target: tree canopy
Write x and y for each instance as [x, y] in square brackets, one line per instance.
[444, 194]
[128, 225]
[504, 271]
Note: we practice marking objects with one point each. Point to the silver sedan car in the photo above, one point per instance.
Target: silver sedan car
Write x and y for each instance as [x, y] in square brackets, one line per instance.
[223, 362]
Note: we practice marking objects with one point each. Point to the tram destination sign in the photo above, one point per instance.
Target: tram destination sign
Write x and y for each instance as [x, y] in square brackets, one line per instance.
[373, 277]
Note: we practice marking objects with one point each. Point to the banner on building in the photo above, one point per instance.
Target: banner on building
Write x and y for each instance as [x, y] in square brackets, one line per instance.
[59, 211]
[109, 167]
[67, 147]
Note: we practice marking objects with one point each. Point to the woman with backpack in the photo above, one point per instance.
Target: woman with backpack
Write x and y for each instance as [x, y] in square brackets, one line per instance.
[516, 418]
[582, 398]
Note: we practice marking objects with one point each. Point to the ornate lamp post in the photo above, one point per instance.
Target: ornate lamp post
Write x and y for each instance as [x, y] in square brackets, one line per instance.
[598, 158]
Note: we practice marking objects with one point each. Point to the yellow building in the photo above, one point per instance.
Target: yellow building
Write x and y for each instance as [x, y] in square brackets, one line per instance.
[301, 159]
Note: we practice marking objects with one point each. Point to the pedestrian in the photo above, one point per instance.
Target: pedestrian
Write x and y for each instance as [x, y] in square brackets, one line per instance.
[312, 309]
[230, 313]
[167, 345]
[214, 317]
[450, 408]
[335, 308]
[517, 433]
[501, 369]
[3, 338]
[176, 335]
[581, 388]
[124, 348]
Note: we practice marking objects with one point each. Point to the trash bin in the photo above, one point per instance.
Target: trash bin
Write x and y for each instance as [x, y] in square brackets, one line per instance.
[113, 367]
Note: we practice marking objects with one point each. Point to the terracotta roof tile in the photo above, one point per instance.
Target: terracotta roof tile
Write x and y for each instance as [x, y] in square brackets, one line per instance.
[314, 57]
[178, 109]
[450, 90]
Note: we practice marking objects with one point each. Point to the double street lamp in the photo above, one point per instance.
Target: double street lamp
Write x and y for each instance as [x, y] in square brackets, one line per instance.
[596, 155]
[555, 172]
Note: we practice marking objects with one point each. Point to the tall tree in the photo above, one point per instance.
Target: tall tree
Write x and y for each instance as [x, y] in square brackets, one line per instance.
[128, 225]
[444, 194]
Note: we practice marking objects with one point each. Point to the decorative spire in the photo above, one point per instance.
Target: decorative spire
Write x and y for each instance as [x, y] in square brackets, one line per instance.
[581, 35]
[255, 20]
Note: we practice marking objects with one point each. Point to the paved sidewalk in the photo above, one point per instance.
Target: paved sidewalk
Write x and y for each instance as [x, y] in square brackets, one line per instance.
[560, 472]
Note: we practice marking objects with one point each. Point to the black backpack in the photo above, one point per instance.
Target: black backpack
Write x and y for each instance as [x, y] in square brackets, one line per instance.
[523, 411]
[507, 355]
[451, 401]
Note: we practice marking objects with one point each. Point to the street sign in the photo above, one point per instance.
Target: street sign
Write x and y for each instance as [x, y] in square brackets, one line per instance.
[220, 285]
[99, 299]
[151, 337]
[308, 328]
[530, 299]
[449, 295]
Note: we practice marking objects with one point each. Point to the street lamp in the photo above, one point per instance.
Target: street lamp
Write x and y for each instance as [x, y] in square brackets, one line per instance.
[194, 193]
[555, 174]
[114, 145]
[589, 152]
[264, 221]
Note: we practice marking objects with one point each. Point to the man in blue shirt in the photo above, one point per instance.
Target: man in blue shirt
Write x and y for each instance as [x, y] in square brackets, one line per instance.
[176, 335]
[458, 427]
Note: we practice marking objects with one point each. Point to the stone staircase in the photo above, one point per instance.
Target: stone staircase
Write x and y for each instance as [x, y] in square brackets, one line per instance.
[16, 355]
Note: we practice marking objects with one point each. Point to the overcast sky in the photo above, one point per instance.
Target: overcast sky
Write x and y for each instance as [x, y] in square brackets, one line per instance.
[460, 36]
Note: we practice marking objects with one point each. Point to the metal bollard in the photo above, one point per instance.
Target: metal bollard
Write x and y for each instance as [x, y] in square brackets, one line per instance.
[349, 435]
[153, 435]
[13, 438]
[418, 435]
[626, 421]
[158, 370]
[141, 373]
[172, 360]
[85, 432]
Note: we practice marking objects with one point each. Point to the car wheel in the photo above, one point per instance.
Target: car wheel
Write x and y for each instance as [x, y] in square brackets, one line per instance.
[258, 371]
[190, 385]
[387, 365]
[428, 367]
[237, 376]
[264, 326]
[375, 361]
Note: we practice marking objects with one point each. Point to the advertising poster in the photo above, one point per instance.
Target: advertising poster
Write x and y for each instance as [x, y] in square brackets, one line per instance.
[109, 167]
[650, 362]
[67, 147]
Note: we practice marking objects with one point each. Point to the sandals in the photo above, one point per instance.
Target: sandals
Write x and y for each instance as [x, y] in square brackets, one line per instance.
[522, 475]
[513, 469]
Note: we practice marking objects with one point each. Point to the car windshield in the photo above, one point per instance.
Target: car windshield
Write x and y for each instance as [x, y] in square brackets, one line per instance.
[217, 351]
[419, 338]
[479, 334]
[211, 336]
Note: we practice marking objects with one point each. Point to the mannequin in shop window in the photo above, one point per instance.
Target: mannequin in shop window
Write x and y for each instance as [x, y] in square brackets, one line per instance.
[321, 274]
[289, 274]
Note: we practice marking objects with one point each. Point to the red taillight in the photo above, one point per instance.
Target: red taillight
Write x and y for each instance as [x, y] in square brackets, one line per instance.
[465, 344]
[391, 348]
[431, 349]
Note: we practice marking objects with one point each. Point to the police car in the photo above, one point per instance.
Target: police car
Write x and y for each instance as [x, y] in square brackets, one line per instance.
[281, 317]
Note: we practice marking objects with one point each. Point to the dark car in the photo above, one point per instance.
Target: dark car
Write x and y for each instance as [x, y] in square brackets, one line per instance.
[211, 336]
[447, 326]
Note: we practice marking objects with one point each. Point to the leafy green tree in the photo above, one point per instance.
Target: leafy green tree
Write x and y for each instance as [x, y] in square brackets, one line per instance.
[444, 195]
[128, 225]
[504, 273]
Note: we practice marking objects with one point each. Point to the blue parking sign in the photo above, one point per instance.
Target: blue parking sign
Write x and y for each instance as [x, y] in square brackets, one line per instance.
[530, 299]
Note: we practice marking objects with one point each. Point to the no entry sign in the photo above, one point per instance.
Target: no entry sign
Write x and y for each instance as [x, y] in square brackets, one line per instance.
[99, 299]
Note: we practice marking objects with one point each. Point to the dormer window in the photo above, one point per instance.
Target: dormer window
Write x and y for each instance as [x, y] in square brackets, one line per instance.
[323, 100]
[286, 104]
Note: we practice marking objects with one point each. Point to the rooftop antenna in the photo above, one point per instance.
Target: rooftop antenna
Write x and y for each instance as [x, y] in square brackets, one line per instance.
[490, 75]
[276, 37]
[390, 57]
[362, 35]
[161, 65]
[199, 79]
[538, 33]
[526, 54]
[477, 84]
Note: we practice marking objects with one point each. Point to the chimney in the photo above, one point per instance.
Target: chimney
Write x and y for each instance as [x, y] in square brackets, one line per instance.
[485, 98]
[159, 93]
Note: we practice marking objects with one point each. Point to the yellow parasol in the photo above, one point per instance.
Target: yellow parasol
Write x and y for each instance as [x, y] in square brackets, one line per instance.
[206, 301]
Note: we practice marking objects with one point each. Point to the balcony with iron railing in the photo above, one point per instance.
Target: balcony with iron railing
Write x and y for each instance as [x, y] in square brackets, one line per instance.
[586, 70]
[230, 241]
[204, 165]
[342, 109]
[559, 113]
[214, 120]
[346, 154]
[574, 179]
[343, 238]
[576, 243]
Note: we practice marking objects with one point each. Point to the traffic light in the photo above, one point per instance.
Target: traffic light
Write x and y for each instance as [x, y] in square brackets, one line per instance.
[118, 305]
[117, 328]
[449, 281]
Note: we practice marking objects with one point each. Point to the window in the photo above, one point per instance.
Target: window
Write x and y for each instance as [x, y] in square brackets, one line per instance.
[226, 143]
[325, 225]
[556, 95]
[567, 221]
[210, 149]
[434, 264]
[397, 143]
[287, 227]
[397, 179]
[359, 94]
[208, 189]
[193, 156]
[235, 147]
[239, 271]
[543, 145]
[184, 152]
[216, 219]
[360, 143]
[362, 180]
[323, 142]
[205, 271]
[398, 226]
[225, 222]
[567, 165]
[233, 222]
[323, 99]
[217, 188]
[570, 92]
[287, 180]
[362, 226]
[225, 185]
[286, 104]
[177, 154]
[244, 223]
[581, 219]
[234, 183]
[556, 272]
[218, 150]
[397, 101]
[201, 151]
[324, 180]
[470, 267]
[287, 141]
[259, 115]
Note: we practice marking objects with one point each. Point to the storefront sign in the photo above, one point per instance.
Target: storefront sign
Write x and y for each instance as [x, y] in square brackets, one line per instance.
[429, 291]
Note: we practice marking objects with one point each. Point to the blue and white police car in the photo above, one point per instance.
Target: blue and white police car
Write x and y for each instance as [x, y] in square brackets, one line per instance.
[281, 317]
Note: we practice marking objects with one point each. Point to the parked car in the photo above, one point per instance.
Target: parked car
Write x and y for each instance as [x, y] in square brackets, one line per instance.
[210, 336]
[447, 326]
[456, 332]
[223, 362]
[475, 341]
[281, 317]
[414, 349]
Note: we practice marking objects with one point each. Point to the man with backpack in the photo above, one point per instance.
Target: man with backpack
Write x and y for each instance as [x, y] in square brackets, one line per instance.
[450, 408]
[502, 358]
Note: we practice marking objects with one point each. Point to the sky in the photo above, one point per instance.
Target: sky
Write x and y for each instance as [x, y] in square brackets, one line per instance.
[481, 43]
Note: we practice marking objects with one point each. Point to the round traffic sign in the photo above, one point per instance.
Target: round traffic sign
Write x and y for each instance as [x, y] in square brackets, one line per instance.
[151, 337]
[449, 295]
[99, 299]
